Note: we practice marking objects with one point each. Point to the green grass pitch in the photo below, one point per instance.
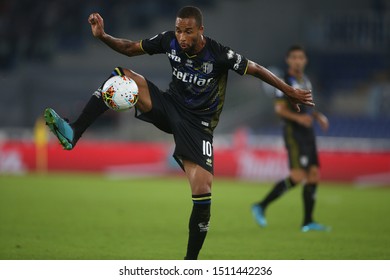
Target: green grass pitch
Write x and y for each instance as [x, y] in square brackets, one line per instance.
[70, 216]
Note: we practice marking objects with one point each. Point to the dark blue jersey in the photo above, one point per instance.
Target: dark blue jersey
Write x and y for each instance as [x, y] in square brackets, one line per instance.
[298, 129]
[198, 81]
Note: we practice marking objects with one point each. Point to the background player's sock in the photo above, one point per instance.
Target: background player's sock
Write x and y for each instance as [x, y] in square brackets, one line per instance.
[279, 188]
[198, 225]
[94, 108]
[309, 198]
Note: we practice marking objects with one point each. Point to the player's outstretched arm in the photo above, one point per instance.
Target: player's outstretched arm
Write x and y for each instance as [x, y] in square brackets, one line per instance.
[122, 46]
[296, 96]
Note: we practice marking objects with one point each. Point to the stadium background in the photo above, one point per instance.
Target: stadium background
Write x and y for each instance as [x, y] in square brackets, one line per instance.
[48, 58]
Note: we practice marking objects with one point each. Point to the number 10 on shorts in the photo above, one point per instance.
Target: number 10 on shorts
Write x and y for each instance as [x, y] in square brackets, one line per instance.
[207, 148]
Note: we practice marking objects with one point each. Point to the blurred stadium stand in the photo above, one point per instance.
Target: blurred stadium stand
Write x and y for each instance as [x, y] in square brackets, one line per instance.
[48, 58]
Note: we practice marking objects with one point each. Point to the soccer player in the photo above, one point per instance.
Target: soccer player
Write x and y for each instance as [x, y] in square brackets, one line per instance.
[300, 142]
[189, 109]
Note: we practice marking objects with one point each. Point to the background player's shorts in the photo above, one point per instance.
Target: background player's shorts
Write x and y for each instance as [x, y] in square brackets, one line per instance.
[301, 153]
[192, 140]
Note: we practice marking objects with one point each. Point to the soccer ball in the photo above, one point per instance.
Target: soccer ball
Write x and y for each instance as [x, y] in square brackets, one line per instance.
[120, 93]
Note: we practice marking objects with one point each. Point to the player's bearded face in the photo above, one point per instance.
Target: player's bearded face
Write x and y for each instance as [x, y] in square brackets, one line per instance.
[188, 34]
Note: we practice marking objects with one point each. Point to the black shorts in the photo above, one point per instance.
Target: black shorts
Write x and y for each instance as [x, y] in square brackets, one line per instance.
[301, 149]
[193, 140]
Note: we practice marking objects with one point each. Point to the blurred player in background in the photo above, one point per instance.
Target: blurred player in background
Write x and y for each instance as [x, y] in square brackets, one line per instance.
[300, 142]
[189, 109]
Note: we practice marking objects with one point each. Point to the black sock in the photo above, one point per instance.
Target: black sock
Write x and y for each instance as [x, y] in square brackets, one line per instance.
[309, 198]
[279, 188]
[198, 225]
[94, 108]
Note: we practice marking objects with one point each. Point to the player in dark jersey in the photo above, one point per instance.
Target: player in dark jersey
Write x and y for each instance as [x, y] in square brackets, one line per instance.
[189, 109]
[300, 142]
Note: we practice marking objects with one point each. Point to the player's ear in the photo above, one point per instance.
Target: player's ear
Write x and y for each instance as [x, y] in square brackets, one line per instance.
[286, 60]
[201, 29]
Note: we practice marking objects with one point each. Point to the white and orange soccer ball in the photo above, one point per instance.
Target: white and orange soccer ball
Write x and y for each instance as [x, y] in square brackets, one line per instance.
[120, 93]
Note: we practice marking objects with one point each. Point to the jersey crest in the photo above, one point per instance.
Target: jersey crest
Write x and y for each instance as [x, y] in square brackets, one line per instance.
[207, 67]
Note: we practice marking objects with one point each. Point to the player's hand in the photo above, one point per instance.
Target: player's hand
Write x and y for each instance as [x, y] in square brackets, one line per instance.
[305, 120]
[323, 121]
[300, 96]
[97, 25]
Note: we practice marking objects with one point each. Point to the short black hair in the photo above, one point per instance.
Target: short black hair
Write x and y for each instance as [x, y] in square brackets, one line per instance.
[191, 12]
[294, 48]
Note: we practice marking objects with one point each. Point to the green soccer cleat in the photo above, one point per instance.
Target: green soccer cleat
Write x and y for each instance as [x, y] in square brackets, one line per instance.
[315, 227]
[258, 214]
[60, 127]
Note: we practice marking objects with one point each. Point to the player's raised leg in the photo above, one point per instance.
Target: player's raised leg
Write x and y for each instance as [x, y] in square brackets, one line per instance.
[69, 133]
[200, 181]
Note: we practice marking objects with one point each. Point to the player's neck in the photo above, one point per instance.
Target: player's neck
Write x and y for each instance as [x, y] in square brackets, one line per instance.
[296, 74]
